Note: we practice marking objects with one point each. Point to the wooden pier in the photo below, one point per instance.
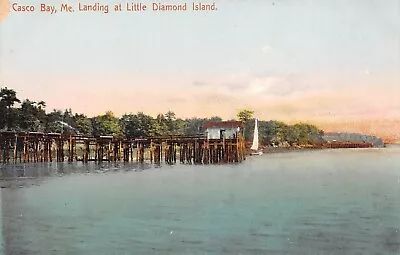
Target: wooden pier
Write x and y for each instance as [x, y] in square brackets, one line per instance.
[24, 147]
[348, 145]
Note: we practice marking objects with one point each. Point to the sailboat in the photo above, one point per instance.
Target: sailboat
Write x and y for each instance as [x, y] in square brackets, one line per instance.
[254, 147]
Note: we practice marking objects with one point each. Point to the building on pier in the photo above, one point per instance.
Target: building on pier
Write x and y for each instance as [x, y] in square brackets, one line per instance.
[223, 129]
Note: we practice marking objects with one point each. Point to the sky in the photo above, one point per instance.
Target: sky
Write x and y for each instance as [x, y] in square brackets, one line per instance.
[332, 63]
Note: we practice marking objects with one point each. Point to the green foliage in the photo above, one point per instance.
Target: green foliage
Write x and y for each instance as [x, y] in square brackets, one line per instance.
[215, 118]
[8, 97]
[194, 125]
[273, 132]
[106, 124]
[53, 122]
[180, 127]
[245, 115]
[249, 130]
[83, 125]
[137, 125]
[31, 116]
[279, 133]
[68, 118]
[170, 119]
[305, 133]
[160, 125]
[8, 114]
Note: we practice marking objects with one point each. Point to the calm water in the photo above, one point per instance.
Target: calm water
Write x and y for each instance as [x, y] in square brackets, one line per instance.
[320, 202]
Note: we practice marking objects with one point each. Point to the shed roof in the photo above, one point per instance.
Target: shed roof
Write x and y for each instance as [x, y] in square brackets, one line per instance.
[222, 124]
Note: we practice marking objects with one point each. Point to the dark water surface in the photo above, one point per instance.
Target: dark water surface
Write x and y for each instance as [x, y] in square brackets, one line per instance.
[319, 202]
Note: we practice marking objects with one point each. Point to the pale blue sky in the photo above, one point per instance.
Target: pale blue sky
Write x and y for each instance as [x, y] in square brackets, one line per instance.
[264, 51]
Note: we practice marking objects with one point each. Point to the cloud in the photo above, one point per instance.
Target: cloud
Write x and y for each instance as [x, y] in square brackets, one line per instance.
[284, 86]
[199, 83]
[266, 49]
[215, 98]
[270, 86]
[263, 84]
[236, 86]
[176, 100]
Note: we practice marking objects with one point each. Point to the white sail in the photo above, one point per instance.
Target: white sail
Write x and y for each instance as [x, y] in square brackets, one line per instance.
[254, 146]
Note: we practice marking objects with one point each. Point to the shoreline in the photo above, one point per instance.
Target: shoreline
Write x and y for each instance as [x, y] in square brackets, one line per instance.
[270, 150]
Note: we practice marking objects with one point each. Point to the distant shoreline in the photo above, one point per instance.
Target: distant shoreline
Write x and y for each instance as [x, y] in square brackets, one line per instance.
[271, 149]
[288, 149]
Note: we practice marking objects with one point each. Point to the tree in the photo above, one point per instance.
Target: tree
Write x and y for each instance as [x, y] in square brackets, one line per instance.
[160, 125]
[83, 124]
[194, 125]
[68, 117]
[245, 115]
[137, 125]
[170, 118]
[106, 124]
[32, 116]
[272, 132]
[53, 121]
[303, 134]
[8, 97]
[215, 118]
[279, 133]
[41, 105]
[8, 116]
[179, 127]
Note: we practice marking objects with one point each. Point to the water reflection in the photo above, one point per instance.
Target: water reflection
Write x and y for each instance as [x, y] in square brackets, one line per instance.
[33, 174]
[36, 170]
[325, 202]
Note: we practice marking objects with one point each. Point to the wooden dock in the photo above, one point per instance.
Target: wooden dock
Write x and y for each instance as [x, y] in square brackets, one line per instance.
[348, 145]
[24, 147]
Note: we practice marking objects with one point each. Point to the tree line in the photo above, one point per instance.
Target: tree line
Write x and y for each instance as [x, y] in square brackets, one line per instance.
[278, 133]
[27, 115]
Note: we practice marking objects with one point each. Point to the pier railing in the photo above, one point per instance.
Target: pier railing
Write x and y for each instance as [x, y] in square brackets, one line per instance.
[24, 147]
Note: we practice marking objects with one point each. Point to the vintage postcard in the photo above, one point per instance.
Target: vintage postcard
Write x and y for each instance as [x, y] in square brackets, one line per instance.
[199, 127]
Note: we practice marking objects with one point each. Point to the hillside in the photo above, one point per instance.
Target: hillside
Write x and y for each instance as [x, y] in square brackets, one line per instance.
[352, 137]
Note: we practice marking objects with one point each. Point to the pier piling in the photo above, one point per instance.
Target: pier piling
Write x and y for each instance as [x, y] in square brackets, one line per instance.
[27, 147]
